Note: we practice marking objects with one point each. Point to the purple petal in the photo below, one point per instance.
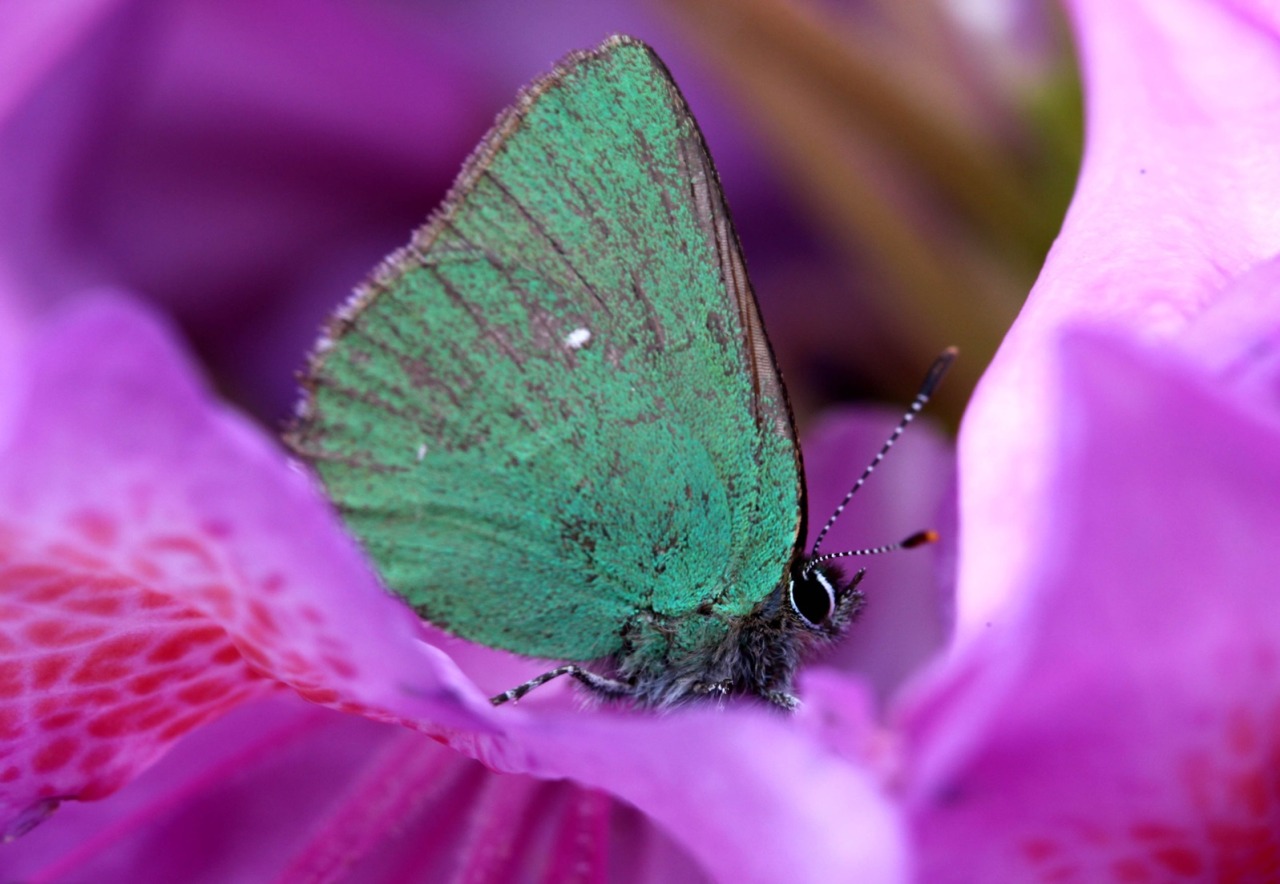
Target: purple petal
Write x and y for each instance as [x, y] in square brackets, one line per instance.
[160, 557]
[1137, 731]
[752, 795]
[35, 37]
[1175, 200]
[285, 790]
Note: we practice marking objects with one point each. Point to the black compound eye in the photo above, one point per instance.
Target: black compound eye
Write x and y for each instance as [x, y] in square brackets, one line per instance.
[812, 597]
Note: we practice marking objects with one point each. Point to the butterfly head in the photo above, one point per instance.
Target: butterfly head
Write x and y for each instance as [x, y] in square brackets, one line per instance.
[821, 600]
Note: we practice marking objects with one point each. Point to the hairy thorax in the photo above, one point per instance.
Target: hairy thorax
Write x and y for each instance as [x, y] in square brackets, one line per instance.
[673, 660]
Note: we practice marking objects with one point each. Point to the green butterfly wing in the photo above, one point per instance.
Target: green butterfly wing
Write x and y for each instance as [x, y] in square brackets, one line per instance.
[556, 410]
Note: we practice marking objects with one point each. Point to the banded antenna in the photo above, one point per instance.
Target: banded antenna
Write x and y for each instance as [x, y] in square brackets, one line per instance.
[931, 381]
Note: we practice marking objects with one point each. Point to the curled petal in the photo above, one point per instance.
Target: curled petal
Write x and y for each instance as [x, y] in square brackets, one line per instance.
[1136, 726]
[1175, 201]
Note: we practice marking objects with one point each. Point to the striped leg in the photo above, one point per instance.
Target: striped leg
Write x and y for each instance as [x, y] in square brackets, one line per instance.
[607, 687]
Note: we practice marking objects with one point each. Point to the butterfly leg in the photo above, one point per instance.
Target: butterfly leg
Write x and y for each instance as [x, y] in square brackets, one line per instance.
[717, 689]
[787, 701]
[607, 687]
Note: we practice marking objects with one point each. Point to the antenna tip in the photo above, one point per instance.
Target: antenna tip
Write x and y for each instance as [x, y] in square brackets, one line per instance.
[938, 369]
[920, 538]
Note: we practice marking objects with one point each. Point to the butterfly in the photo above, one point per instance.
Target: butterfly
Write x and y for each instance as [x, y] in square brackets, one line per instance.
[554, 419]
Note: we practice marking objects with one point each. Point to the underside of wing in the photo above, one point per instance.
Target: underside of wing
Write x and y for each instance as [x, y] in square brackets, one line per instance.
[556, 410]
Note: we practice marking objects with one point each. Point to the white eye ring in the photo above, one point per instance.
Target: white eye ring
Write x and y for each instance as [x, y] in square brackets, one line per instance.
[821, 579]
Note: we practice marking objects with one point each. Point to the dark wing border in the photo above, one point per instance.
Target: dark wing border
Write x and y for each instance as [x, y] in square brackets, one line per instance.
[771, 405]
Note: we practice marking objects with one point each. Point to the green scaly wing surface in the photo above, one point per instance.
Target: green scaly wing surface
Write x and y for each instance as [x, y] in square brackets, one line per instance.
[556, 409]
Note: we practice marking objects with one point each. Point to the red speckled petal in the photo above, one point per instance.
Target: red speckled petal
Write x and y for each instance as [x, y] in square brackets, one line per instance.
[160, 562]
[282, 790]
[1137, 733]
[99, 673]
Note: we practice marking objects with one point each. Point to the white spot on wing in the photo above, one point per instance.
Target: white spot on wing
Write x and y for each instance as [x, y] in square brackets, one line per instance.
[578, 338]
[422, 452]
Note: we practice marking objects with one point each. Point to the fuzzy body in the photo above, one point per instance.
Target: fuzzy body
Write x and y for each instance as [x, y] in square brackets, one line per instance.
[695, 658]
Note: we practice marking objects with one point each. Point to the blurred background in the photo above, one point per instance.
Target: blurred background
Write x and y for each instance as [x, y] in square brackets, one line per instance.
[897, 168]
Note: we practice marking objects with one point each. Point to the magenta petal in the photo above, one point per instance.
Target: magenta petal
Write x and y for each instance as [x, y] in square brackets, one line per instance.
[1139, 731]
[158, 557]
[1176, 199]
[752, 795]
[14, 325]
[1180, 119]
[285, 790]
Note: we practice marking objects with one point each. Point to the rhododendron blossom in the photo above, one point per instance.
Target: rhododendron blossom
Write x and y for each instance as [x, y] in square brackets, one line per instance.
[200, 676]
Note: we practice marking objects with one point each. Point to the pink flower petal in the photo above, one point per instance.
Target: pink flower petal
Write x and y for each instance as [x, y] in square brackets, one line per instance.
[158, 557]
[285, 790]
[1176, 199]
[1139, 731]
[752, 795]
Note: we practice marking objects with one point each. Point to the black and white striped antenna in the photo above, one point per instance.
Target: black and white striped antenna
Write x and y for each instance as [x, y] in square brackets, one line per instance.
[931, 381]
